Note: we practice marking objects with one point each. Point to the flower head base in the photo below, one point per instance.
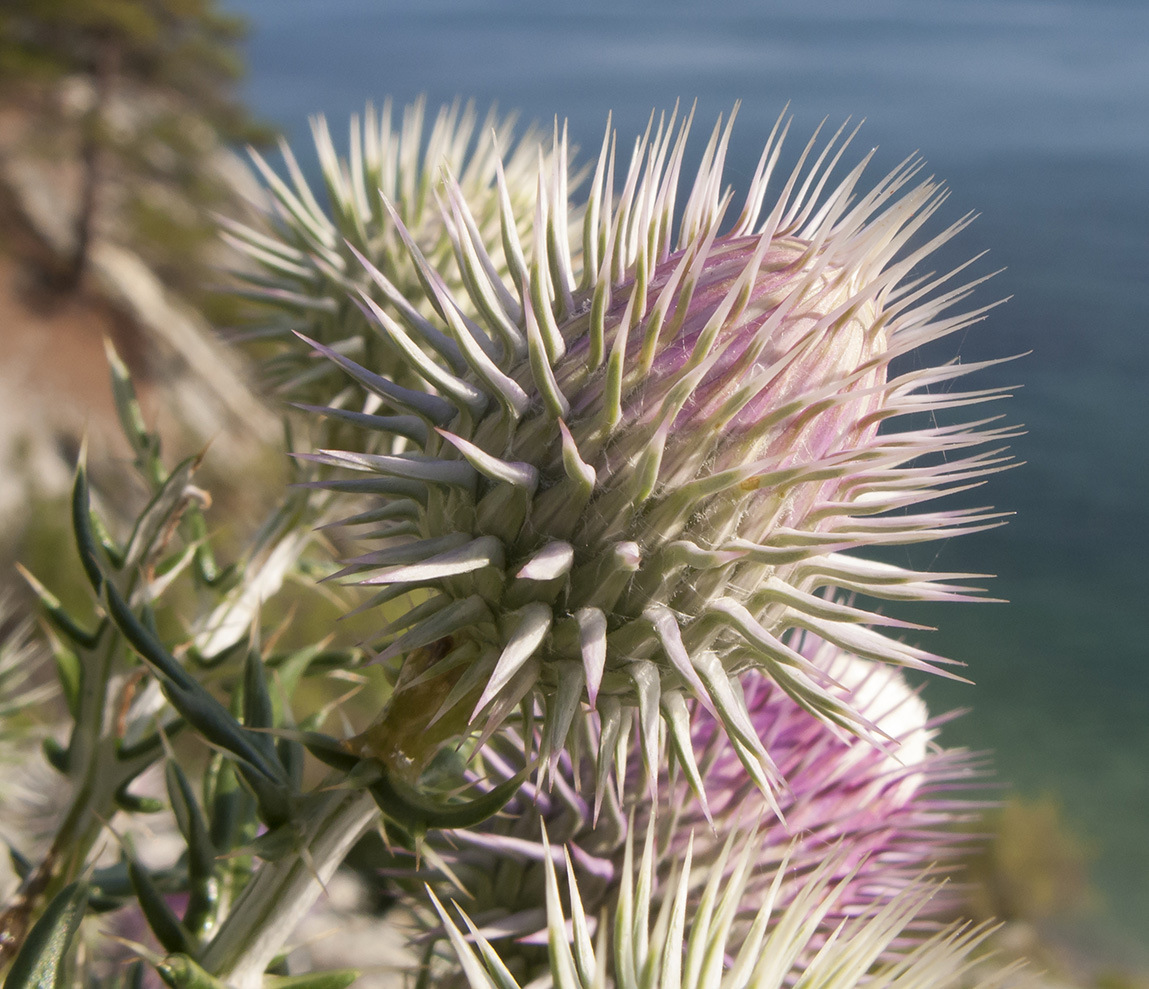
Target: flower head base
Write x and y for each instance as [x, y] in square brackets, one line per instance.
[634, 466]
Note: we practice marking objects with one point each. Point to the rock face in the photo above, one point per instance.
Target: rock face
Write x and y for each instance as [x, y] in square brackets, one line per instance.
[53, 374]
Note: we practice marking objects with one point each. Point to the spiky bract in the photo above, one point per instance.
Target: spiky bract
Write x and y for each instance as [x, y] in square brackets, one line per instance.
[636, 464]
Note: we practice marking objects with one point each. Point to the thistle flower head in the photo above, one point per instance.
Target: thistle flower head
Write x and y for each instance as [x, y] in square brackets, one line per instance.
[887, 819]
[642, 457]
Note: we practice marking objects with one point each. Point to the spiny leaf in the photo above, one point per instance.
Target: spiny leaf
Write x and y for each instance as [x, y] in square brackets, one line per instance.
[165, 925]
[198, 707]
[180, 971]
[159, 515]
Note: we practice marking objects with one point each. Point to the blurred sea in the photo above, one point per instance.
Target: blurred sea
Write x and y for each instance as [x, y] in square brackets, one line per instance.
[1036, 113]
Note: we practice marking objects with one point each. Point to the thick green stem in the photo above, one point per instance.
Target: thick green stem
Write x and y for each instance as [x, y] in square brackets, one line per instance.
[266, 913]
[93, 772]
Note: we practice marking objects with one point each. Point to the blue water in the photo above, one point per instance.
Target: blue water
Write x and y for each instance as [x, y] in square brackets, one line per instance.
[1037, 115]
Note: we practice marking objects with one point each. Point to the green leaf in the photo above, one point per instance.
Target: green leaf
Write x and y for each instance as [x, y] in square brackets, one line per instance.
[329, 751]
[70, 674]
[161, 513]
[145, 444]
[43, 958]
[21, 865]
[136, 804]
[201, 710]
[231, 810]
[82, 528]
[161, 919]
[273, 799]
[60, 619]
[57, 755]
[108, 544]
[189, 819]
[217, 659]
[274, 844]
[258, 710]
[291, 757]
[337, 978]
[206, 568]
[149, 747]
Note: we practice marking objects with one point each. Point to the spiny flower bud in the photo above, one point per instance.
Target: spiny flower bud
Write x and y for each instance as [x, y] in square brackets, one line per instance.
[302, 256]
[636, 465]
[674, 945]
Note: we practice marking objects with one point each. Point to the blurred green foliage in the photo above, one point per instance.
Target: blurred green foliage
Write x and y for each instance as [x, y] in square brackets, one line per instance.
[1033, 867]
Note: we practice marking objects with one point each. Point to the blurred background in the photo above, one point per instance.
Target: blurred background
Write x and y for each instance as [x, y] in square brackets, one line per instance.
[1036, 114]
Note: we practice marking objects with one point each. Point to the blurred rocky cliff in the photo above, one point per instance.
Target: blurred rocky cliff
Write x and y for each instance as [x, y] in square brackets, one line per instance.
[54, 382]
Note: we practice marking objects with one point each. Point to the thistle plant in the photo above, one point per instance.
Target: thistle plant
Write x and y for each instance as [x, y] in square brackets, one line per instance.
[124, 719]
[614, 463]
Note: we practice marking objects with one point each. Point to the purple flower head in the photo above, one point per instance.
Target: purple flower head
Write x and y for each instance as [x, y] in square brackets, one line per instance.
[888, 809]
[882, 818]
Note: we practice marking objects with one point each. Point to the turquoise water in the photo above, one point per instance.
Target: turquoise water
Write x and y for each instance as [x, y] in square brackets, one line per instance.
[1037, 115]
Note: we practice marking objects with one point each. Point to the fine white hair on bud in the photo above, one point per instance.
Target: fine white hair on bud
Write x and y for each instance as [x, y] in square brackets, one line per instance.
[634, 452]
